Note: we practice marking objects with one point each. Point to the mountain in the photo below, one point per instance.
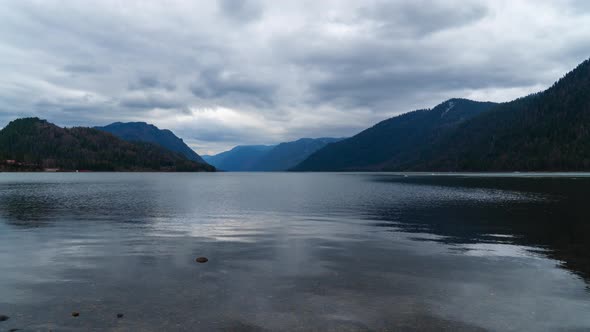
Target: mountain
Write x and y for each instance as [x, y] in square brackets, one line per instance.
[287, 155]
[34, 144]
[144, 132]
[547, 131]
[239, 159]
[265, 158]
[394, 143]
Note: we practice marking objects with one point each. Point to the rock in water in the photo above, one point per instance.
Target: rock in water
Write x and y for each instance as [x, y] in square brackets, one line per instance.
[3, 318]
[202, 260]
[75, 314]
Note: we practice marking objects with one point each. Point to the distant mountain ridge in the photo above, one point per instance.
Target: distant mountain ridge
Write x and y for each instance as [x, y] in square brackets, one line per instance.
[395, 142]
[145, 132]
[259, 158]
[239, 159]
[288, 154]
[31, 144]
[545, 131]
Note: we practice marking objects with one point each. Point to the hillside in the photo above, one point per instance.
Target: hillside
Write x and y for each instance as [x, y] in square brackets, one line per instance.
[239, 159]
[268, 158]
[395, 142]
[547, 131]
[144, 132]
[33, 144]
[288, 154]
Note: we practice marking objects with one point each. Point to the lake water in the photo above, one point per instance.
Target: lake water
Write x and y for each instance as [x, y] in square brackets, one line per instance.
[294, 252]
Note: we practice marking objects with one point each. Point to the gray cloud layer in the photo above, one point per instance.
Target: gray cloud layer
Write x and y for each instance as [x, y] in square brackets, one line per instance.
[252, 71]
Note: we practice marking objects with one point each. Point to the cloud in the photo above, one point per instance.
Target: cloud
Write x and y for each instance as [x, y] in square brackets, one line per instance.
[233, 88]
[147, 82]
[85, 69]
[421, 17]
[221, 73]
[149, 101]
[241, 10]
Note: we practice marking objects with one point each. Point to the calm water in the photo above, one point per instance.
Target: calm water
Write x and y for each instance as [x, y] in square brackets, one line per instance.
[340, 252]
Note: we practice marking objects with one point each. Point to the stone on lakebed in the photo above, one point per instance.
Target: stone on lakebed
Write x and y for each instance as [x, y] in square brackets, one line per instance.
[202, 260]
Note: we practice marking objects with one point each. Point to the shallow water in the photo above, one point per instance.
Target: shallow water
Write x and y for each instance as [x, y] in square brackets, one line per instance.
[292, 251]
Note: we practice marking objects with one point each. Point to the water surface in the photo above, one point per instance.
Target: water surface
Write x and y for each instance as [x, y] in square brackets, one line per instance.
[291, 251]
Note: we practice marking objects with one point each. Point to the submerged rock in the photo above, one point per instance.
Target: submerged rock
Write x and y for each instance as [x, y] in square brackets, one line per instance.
[202, 260]
[75, 314]
[3, 318]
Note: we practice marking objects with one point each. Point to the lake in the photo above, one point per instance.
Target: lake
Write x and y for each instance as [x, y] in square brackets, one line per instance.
[294, 252]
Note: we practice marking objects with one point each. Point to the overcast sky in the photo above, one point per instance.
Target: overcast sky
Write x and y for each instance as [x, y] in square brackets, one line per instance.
[229, 72]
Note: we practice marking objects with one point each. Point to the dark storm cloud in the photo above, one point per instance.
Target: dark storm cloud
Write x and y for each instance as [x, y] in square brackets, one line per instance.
[229, 72]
